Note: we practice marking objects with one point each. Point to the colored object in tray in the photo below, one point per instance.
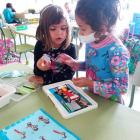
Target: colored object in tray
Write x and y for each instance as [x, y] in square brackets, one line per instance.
[33, 88]
[19, 93]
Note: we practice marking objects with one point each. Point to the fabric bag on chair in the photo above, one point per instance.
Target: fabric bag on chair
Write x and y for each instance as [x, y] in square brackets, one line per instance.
[3, 52]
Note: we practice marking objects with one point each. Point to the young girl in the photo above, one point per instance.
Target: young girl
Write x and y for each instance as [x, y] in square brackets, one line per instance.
[106, 61]
[53, 35]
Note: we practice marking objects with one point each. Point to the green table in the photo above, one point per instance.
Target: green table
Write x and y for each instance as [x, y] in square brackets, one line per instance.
[110, 121]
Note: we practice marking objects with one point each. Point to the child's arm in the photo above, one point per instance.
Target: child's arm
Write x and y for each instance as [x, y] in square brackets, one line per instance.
[119, 67]
[66, 73]
[38, 52]
[74, 64]
[82, 66]
[11, 13]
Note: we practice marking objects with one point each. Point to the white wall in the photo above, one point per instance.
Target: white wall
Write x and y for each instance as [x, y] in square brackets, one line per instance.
[18, 5]
[23, 5]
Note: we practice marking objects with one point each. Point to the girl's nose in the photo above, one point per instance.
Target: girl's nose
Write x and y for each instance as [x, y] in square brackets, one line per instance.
[59, 31]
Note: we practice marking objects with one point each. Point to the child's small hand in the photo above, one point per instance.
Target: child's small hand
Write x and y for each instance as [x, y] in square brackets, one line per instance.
[36, 80]
[71, 62]
[83, 82]
[43, 64]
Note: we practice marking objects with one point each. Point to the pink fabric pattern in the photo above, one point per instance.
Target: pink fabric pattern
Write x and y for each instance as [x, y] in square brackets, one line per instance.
[3, 52]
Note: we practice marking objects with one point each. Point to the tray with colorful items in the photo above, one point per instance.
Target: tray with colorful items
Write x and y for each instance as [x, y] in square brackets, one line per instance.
[22, 86]
[69, 99]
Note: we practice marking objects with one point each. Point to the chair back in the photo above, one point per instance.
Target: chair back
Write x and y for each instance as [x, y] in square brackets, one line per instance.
[136, 76]
[8, 33]
[1, 17]
[77, 51]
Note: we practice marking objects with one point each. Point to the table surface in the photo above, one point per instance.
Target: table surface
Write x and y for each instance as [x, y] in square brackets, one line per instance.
[110, 121]
[31, 31]
[27, 16]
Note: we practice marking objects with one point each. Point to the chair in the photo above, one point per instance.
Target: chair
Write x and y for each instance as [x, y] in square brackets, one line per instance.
[77, 52]
[1, 17]
[75, 34]
[19, 49]
[135, 82]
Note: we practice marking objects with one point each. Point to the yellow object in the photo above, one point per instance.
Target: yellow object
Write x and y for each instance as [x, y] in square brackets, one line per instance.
[33, 21]
[64, 89]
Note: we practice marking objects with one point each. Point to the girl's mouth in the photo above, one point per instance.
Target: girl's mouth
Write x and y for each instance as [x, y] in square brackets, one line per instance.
[58, 38]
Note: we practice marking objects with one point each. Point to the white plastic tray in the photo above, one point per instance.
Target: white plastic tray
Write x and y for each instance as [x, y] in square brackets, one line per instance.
[6, 92]
[60, 103]
[18, 82]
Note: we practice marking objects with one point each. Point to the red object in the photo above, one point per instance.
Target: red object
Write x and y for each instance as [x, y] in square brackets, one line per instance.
[67, 93]
[57, 132]
[17, 131]
[0, 96]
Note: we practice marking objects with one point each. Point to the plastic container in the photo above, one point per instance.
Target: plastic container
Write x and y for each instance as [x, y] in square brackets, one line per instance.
[77, 101]
[19, 84]
[6, 92]
[17, 28]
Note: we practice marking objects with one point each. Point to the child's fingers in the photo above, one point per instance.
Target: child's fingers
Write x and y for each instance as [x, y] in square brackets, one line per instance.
[44, 54]
[47, 64]
[74, 79]
[65, 56]
[76, 83]
[31, 79]
[34, 78]
[38, 82]
[77, 79]
[40, 62]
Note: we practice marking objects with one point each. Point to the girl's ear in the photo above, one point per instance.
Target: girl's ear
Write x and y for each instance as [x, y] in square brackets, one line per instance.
[103, 29]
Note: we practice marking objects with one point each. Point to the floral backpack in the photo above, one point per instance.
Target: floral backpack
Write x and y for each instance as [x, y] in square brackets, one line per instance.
[3, 52]
[133, 46]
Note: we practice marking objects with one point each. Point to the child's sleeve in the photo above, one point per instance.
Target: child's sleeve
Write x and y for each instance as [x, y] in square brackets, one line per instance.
[11, 13]
[118, 61]
[82, 66]
[37, 55]
[65, 74]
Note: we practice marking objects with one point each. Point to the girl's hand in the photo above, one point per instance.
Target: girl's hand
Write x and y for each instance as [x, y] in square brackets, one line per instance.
[43, 64]
[36, 80]
[83, 82]
[74, 64]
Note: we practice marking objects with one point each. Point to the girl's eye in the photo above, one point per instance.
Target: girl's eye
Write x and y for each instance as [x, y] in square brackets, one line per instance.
[63, 28]
[83, 29]
[52, 29]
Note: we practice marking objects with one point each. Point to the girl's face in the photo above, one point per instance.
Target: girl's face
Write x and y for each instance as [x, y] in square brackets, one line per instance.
[58, 33]
[85, 29]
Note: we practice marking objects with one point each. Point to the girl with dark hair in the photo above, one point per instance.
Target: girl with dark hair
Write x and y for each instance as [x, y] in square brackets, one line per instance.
[106, 62]
[53, 35]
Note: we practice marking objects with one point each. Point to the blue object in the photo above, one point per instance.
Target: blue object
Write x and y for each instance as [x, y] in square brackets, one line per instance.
[8, 14]
[39, 125]
[136, 19]
[12, 73]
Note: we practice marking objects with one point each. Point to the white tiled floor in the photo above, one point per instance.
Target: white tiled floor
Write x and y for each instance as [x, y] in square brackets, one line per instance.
[136, 104]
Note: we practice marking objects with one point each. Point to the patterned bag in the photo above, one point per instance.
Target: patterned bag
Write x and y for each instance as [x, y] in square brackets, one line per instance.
[132, 43]
[133, 47]
[3, 52]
